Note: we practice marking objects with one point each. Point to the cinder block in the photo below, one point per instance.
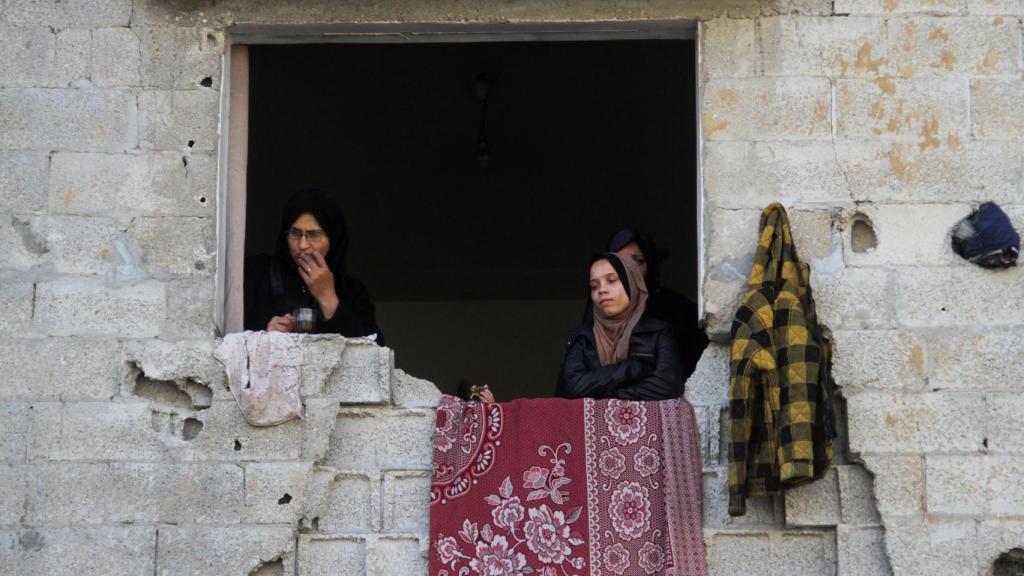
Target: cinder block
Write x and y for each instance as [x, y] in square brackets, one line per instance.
[907, 235]
[959, 296]
[332, 555]
[899, 484]
[853, 47]
[395, 554]
[928, 110]
[975, 485]
[929, 46]
[730, 48]
[177, 246]
[734, 233]
[66, 493]
[857, 496]
[724, 287]
[127, 550]
[276, 492]
[29, 54]
[16, 300]
[1004, 413]
[803, 553]
[364, 376]
[406, 500]
[86, 307]
[227, 436]
[762, 513]
[855, 298]
[179, 57]
[767, 109]
[80, 13]
[993, 114]
[12, 495]
[115, 57]
[939, 548]
[183, 359]
[60, 368]
[367, 438]
[190, 309]
[898, 359]
[195, 550]
[122, 185]
[176, 493]
[886, 7]
[22, 181]
[746, 174]
[346, 501]
[814, 504]
[893, 423]
[709, 383]
[82, 120]
[17, 431]
[409, 391]
[739, 554]
[67, 244]
[73, 50]
[170, 119]
[323, 354]
[861, 552]
[321, 417]
[109, 431]
[958, 170]
[990, 363]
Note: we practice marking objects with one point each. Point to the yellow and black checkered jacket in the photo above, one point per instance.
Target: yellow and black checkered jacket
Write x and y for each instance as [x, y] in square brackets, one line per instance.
[781, 420]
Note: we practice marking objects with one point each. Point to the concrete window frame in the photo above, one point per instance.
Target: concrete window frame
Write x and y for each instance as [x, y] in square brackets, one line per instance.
[234, 112]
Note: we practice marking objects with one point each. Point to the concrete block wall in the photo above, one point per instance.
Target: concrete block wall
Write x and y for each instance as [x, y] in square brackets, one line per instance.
[122, 451]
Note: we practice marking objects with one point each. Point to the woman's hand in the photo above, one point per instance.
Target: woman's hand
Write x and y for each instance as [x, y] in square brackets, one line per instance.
[319, 279]
[281, 323]
[484, 394]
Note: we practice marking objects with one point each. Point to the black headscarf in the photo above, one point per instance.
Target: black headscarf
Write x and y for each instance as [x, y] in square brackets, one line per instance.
[328, 214]
[645, 241]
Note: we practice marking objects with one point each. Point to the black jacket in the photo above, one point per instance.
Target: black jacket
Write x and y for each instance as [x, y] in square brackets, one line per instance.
[354, 317]
[651, 372]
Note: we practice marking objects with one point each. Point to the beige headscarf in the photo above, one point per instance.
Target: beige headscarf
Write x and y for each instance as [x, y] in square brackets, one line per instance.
[612, 334]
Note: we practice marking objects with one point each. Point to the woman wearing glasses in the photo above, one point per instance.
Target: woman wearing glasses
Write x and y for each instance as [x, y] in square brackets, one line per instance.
[308, 271]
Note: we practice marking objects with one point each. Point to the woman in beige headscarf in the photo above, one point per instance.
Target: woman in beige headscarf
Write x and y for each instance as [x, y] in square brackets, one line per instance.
[621, 353]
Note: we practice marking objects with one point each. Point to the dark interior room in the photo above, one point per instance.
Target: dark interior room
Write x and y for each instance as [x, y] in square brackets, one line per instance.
[477, 179]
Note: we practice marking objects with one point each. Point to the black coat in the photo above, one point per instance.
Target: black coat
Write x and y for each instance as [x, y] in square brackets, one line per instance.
[354, 317]
[651, 372]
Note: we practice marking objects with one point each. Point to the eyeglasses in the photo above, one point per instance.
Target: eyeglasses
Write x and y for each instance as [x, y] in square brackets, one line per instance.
[314, 236]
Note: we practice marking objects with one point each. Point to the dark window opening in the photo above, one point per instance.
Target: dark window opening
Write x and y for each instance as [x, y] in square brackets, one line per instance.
[477, 178]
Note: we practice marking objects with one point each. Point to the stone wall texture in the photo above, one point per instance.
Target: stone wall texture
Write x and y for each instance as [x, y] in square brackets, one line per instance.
[122, 451]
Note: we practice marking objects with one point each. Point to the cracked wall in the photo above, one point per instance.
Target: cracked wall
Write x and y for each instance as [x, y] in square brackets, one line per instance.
[122, 450]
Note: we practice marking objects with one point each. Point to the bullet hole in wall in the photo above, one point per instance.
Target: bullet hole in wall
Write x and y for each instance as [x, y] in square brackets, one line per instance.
[202, 199]
[184, 161]
[1009, 563]
[191, 143]
[238, 446]
[206, 82]
[191, 428]
[862, 234]
[287, 498]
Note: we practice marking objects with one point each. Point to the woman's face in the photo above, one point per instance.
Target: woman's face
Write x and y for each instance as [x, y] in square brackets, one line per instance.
[307, 236]
[632, 250]
[606, 289]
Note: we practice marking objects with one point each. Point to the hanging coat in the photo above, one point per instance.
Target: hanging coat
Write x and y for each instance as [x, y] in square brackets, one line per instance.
[781, 419]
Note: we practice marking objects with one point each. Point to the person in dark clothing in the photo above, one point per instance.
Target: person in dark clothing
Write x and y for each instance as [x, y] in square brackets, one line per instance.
[663, 303]
[621, 351]
[308, 271]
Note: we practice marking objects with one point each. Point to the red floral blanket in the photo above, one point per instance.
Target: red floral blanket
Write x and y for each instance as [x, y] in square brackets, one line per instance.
[557, 487]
